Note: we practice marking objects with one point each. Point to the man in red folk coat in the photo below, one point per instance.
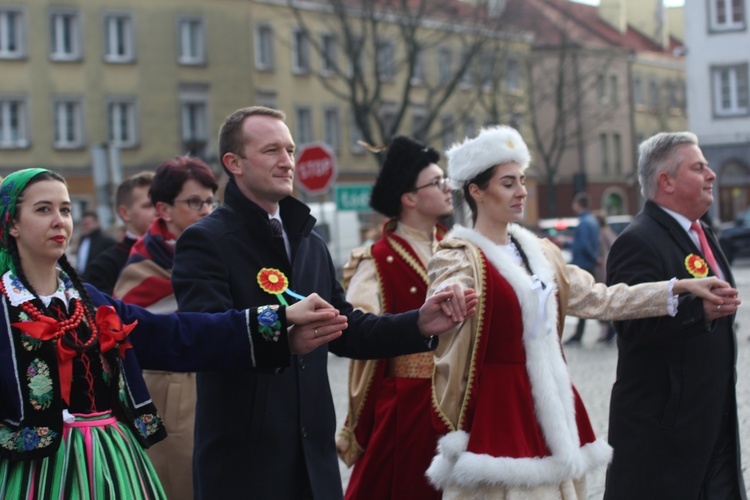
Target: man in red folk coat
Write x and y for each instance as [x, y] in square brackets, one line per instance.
[388, 435]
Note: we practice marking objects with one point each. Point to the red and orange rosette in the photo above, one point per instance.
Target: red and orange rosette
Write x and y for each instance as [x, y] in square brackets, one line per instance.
[276, 283]
[696, 266]
[272, 281]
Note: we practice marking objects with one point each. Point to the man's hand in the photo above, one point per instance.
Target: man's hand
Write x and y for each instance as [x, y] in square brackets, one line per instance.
[445, 309]
[306, 338]
[729, 305]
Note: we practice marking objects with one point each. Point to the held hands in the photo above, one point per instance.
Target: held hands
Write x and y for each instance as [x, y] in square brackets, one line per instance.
[315, 322]
[719, 298]
[446, 308]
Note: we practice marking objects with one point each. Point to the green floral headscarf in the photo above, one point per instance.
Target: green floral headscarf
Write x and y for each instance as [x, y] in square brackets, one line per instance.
[10, 189]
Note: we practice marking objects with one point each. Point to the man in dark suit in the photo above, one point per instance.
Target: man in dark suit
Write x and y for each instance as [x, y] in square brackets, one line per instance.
[136, 211]
[271, 436]
[673, 413]
[93, 241]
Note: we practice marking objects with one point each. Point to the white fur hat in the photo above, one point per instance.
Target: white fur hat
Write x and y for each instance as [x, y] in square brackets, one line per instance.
[493, 146]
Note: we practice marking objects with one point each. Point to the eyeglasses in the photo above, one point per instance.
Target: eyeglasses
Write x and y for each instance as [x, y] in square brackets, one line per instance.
[197, 204]
[439, 183]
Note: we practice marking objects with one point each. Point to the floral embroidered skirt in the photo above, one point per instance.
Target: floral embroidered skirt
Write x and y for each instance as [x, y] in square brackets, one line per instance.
[99, 458]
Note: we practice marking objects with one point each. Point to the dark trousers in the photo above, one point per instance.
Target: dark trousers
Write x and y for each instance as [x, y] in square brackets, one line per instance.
[722, 481]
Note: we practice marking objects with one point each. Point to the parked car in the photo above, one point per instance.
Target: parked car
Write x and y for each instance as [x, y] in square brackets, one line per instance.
[559, 231]
[734, 237]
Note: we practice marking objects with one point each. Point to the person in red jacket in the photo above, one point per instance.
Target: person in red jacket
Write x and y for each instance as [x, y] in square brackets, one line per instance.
[388, 435]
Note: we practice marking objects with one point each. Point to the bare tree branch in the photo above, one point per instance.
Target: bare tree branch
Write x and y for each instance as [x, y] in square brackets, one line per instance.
[383, 43]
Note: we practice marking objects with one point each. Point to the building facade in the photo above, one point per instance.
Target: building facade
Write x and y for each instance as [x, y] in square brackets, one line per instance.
[117, 87]
[148, 82]
[717, 41]
[599, 64]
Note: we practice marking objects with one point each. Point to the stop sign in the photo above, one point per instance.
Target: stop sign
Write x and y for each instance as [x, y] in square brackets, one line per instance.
[316, 168]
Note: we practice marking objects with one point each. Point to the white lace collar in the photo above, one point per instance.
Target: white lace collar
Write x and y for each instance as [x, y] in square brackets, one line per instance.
[18, 294]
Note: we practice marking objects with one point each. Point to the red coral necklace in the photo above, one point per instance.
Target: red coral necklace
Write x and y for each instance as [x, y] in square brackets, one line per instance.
[66, 325]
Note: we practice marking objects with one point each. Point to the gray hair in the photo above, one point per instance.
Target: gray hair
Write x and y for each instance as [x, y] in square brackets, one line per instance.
[656, 155]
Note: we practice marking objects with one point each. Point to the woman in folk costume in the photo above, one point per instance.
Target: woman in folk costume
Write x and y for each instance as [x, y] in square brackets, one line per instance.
[388, 435]
[75, 414]
[182, 192]
[513, 424]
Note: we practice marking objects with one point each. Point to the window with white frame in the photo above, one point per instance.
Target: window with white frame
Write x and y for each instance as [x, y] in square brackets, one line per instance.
[445, 65]
[727, 15]
[601, 88]
[13, 121]
[680, 85]
[192, 40]
[672, 99]
[386, 54]
[419, 122]
[332, 128]
[119, 38]
[617, 152]
[730, 89]
[194, 118]
[11, 33]
[65, 35]
[264, 47]
[303, 124]
[388, 111]
[614, 94]
[122, 123]
[300, 52]
[512, 74]
[447, 131]
[356, 55]
[267, 98]
[653, 94]
[486, 69]
[638, 91]
[68, 123]
[330, 53]
[418, 77]
[604, 152]
[467, 78]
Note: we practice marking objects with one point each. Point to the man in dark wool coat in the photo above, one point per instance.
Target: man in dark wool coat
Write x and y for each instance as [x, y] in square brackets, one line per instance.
[673, 413]
[271, 435]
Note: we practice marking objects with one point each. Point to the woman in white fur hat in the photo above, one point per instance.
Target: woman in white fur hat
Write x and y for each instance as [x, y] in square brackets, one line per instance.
[513, 424]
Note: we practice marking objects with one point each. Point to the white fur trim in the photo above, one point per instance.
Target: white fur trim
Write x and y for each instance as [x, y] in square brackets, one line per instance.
[472, 470]
[493, 146]
[453, 444]
[552, 390]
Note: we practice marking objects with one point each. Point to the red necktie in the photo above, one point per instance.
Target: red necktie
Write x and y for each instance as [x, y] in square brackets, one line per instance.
[705, 247]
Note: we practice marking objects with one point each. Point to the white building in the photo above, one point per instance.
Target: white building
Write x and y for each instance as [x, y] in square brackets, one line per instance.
[717, 40]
